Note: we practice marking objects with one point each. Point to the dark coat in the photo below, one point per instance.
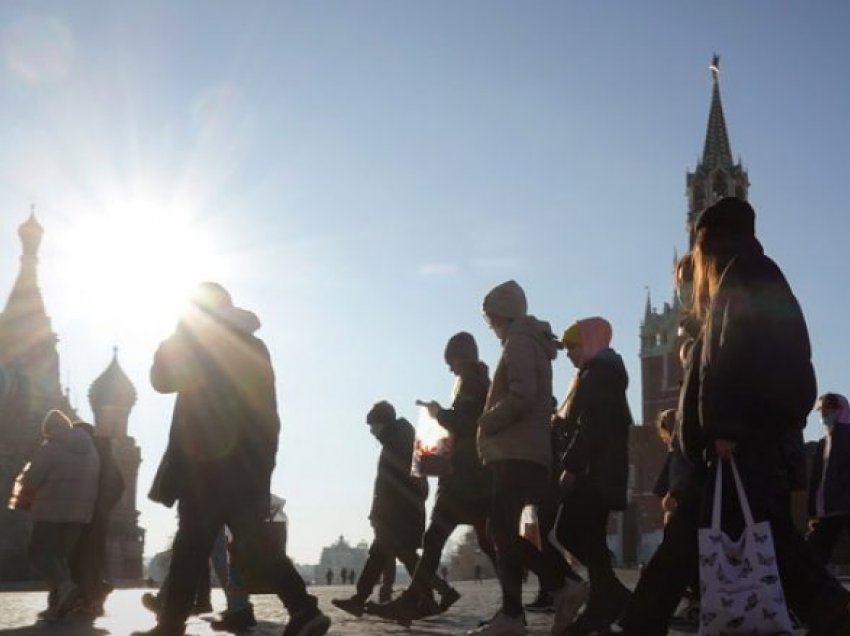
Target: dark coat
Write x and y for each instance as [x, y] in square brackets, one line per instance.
[469, 479]
[836, 482]
[225, 427]
[398, 500]
[110, 485]
[597, 412]
[757, 382]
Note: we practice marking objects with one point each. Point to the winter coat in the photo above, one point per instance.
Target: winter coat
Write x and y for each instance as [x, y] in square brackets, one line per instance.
[224, 430]
[597, 411]
[398, 499]
[515, 421]
[829, 486]
[469, 480]
[110, 483]
[63, 474]
[756, 377]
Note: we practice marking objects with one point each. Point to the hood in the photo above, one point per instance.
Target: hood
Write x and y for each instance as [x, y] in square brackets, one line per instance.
[238, 319]
[74, 440]
[506, 300]
[844, 412]
[540, 331]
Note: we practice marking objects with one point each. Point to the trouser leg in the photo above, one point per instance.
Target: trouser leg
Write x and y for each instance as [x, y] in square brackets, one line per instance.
[823, 536]
[377, 563]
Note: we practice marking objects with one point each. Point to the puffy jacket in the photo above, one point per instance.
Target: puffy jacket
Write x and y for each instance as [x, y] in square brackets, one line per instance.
[63, 474]
[516, 417]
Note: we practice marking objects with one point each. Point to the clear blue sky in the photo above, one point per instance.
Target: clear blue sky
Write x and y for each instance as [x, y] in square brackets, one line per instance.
[361, 173]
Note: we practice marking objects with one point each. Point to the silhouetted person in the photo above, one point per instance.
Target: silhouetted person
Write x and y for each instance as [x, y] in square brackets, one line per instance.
[220, 457]
[329, 576]
[398, 505]
[88, 559]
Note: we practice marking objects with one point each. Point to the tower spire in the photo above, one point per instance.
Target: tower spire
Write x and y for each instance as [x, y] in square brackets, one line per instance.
[717, 151]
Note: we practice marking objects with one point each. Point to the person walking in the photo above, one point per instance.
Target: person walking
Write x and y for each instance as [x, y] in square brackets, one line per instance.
[61, 482]
[829, 485]
[514, 439]
[463, 495]
[88, 559]
[220, 457]
[594, 465]
[398, 507]
[756, 387]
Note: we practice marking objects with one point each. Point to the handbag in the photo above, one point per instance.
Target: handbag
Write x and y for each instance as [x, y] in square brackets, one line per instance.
[741, 592]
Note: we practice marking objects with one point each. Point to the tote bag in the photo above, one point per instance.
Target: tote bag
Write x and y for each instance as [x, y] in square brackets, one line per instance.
[739, 580]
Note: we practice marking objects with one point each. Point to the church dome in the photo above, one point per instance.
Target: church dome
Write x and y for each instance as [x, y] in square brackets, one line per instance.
[30, 232]
[112, 387]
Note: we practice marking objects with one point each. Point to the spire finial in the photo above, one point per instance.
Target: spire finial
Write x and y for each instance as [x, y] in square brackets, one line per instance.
[714, 67]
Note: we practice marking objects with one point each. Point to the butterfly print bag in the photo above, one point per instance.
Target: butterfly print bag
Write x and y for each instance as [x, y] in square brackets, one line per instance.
[739, 580]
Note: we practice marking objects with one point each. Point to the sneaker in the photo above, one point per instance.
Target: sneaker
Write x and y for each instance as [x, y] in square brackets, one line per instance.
[501, 625]
[354, 605]
[543, 603]
[687, 619]
[599, 613]
[448, 599]
[307, 622]
[567, 602]
[202, 607]
[235, 621]
[68, 598]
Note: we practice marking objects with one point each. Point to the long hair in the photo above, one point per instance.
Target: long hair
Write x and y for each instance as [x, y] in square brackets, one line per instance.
[707, 270]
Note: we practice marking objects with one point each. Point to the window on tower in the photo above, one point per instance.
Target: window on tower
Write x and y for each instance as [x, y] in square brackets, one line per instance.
[719, 187]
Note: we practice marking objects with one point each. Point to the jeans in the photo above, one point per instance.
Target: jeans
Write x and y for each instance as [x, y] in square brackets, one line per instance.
[51, 545]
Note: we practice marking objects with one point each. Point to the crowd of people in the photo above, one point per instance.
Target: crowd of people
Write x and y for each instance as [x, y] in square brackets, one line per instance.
[747, 389]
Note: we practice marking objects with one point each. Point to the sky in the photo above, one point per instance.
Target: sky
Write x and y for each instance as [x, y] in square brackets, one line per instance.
[359, 174]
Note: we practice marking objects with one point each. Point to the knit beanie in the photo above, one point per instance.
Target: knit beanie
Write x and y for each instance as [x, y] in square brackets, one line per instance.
[506, 301]
[381, 413]
[461, 347]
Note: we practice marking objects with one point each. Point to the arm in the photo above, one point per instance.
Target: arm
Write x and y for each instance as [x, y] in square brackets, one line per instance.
[461, 420]
[173, 366]
[35, 473]
[597, 417]
[519, 357]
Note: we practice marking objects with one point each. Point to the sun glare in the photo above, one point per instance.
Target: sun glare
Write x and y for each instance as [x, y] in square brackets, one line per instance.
[127, 272]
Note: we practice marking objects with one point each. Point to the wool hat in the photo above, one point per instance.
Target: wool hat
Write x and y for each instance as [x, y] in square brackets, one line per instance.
[506, 300]
[461, 347]
[381, 413]
[731, 216]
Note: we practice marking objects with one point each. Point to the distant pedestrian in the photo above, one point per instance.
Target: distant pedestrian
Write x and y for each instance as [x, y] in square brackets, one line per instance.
[343, 574]
[329, 576]
[220, 457]
[398, 505]
[595, 464]
[463, 495]
[477, 573]
[88, 559]
[61, 481]
[829, 485]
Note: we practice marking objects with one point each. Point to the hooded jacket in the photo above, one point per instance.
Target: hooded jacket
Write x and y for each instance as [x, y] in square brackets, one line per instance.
[597, 414]
[829, 486]
[63, 474]
[515, 421]
[224, 430]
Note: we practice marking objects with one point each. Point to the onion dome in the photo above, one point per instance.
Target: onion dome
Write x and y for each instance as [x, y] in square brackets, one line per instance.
[30, 232]
[112, 387]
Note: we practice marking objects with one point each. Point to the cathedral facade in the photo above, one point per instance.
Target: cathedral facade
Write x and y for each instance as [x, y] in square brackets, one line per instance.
[29, 387]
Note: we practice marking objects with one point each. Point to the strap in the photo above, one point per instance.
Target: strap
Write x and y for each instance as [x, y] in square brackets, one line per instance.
[718, 489]
[742, 496]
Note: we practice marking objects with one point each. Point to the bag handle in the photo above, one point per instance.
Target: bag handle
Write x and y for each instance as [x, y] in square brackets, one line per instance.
[742, 496]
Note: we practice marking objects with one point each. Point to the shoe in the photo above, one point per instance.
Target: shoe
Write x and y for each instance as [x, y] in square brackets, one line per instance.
[353, 605]
[599, 614]
[307, 622]
[448, 599]
[501, 625]
[151, 602]
[235, 621]
[68, 599]
[409, 606]
[543, 603]
[567, 601]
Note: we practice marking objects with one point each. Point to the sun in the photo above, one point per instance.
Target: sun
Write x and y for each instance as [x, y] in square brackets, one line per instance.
[127, 270]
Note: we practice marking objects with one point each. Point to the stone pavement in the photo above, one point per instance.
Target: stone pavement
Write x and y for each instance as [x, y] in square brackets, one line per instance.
[124, 613]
